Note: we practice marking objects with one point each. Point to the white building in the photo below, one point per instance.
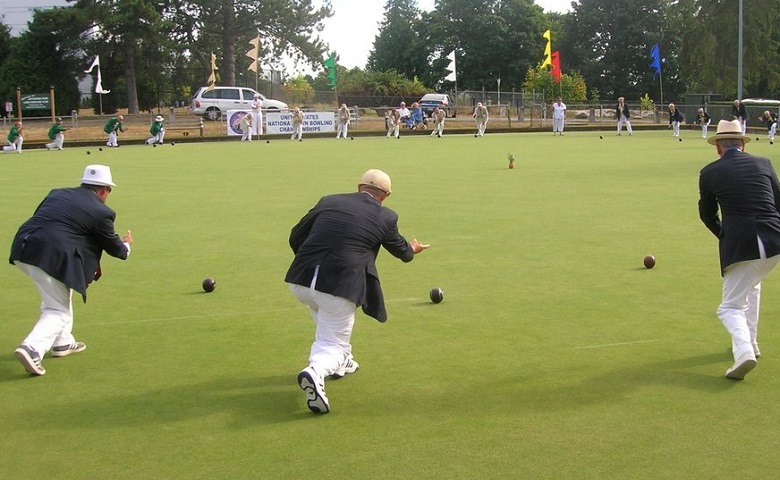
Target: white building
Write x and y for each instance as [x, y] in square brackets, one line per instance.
[17, 13]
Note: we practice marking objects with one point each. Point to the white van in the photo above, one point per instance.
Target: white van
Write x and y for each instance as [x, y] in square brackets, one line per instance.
[211, 104]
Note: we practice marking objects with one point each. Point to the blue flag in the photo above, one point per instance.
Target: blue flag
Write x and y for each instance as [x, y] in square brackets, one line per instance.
[655, 65]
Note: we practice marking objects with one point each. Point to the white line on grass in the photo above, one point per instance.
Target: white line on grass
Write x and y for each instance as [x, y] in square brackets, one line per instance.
[618, 344]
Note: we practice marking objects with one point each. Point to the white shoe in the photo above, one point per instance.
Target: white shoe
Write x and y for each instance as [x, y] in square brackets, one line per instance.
[742, 366]
[349, 366]
[314, 387]
[756, 350]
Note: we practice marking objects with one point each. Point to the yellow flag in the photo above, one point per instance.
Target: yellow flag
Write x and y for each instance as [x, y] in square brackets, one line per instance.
[213, 76]
[547, 50]
[254, 54]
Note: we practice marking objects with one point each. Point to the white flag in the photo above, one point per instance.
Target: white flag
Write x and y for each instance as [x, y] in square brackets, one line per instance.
[452, 76]
[99, 82]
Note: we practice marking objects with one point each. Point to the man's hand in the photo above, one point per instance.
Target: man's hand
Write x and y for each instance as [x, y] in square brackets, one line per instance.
[128, 238]
[418, 247]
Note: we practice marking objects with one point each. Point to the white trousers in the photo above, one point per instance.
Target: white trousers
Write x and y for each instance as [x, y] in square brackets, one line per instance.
[393, 130]
[247, 135]
[112, 140]
[55, 325]
[159, 138]
[257, 126]
[16, 146]
[481, 126]
[704, 129]
[621, 121]
[676, 129]
[558, 124]
[438, 129]
[59, 139]
[297, 132]
[334, 318]
[739, 308]
[772, 131]
[743, 122]
[342, 130]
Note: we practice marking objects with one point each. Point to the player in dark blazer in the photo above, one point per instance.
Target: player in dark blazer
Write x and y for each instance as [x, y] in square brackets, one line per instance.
[60, 248]
[739, 112]
[334, 271]
[746, 191]
[623, 115]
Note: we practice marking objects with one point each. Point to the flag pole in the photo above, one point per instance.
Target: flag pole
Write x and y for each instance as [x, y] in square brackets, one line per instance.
[661, 82]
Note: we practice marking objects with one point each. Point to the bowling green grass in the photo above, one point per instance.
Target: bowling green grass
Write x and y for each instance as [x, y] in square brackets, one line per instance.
[555, 353]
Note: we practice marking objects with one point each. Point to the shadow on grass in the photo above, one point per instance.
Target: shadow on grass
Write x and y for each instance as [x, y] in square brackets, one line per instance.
[238, 402]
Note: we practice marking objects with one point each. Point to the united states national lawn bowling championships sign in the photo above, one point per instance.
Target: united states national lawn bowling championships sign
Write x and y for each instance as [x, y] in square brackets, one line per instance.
[276, 123]
[313, 122]
[36, 101]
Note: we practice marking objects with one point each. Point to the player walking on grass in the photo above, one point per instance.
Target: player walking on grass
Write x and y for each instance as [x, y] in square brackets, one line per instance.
[59, 248]
[739, 112]
[334, 272]
[559, 116]
[747, 192]
[56, 135]
[481, 119]
[623, 115]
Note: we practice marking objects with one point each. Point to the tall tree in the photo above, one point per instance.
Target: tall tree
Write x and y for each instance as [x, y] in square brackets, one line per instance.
[608, 41]
[39, 59]
[399, 45]
[286, 27]
[710, 54]
[492, 38]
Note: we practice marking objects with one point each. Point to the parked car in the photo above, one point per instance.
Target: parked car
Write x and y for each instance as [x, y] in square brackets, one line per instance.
[213, 103]
[431, 100]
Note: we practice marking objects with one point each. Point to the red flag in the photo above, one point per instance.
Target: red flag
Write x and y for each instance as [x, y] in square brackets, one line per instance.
[556, 66]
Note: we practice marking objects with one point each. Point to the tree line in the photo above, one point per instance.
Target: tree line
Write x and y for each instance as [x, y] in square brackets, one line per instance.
[155, 52]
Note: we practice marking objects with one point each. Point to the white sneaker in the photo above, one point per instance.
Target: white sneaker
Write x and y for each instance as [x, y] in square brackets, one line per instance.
[314, 387]
[31, 360]
[349, 366]
[742, 366]
[65, 350]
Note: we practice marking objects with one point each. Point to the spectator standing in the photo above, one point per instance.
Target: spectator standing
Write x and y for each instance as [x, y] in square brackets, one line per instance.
[257, 115]
[559, 116]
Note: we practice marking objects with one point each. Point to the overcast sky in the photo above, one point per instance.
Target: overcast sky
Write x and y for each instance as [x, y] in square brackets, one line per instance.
[354, 25]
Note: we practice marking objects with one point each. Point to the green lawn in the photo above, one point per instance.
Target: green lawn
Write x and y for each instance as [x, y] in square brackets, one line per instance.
[555, 353]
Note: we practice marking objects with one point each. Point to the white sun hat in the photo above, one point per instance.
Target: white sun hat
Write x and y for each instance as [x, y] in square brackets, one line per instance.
[98, 175]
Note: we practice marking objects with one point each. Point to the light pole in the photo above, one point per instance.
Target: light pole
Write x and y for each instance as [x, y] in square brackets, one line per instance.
[739, 55]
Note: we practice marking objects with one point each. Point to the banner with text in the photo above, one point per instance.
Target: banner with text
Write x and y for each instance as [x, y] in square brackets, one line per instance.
[313, 122]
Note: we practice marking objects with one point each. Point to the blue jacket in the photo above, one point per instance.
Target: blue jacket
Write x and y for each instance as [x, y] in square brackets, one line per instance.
[66, 237]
